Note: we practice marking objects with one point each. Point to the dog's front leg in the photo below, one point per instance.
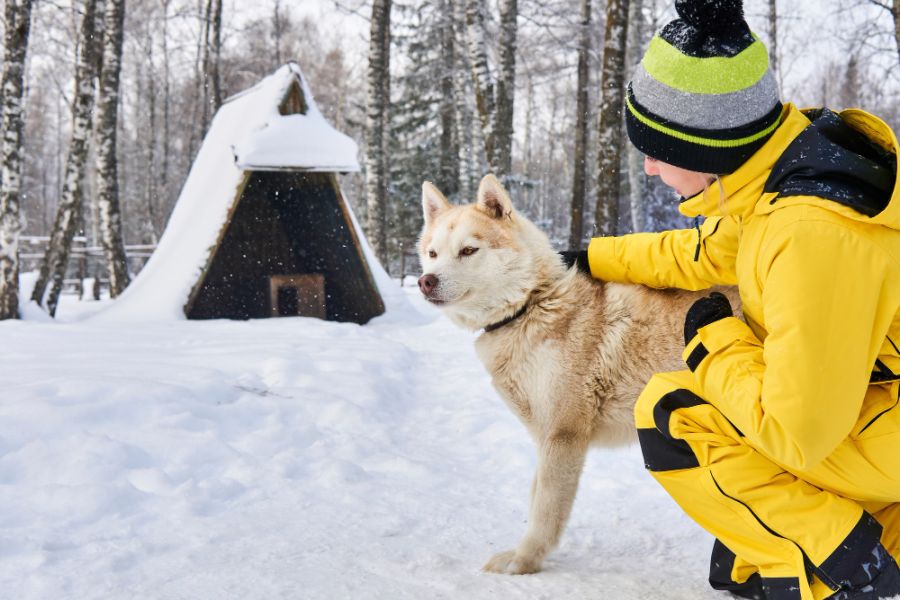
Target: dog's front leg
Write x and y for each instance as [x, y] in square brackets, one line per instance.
[560, 460]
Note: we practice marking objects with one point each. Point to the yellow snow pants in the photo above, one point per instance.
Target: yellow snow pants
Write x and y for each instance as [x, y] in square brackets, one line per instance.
[780, 534]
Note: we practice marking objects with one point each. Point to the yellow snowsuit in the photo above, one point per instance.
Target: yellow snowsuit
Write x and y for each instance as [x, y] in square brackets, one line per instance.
[783, 440]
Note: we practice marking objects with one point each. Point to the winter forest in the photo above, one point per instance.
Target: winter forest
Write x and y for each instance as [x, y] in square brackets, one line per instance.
[105, 103]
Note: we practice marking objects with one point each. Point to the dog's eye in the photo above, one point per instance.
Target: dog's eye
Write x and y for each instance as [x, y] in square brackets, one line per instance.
[432, 254]
[468, 251]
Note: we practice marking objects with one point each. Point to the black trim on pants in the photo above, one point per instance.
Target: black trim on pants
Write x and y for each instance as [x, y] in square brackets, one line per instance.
[838, 569]
[671, 402]
[721, 565]
[662, 451]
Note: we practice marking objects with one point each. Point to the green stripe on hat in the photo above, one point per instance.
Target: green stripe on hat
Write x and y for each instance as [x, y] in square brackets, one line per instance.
[670, 66]
[695, 139]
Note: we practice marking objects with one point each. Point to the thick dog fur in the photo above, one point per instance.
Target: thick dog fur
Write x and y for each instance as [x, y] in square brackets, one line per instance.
[571, 367]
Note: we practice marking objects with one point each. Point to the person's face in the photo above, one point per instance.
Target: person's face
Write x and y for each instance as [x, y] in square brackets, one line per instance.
[685, 183]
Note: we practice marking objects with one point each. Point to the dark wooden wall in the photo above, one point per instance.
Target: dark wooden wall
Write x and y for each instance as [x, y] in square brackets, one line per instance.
[286, 223]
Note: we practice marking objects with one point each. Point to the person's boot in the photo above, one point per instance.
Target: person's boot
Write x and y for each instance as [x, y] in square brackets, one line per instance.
[876, 579]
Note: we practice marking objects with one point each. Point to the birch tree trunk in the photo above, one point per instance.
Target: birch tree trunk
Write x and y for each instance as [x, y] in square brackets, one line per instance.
[164, 169]
[506, 88]
[151, 199]
[53, 268]
[469, 167]
[17, 15]
[449, 178]
[482, 79]
[609, 137]
[212, 47]
[107, 164]
[579, 180]
[217, 55]
[637, 179]
[277, 31]
[376, 128]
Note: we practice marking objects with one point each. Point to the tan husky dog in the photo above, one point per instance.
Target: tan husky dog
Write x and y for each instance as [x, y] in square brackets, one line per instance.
[569, 354]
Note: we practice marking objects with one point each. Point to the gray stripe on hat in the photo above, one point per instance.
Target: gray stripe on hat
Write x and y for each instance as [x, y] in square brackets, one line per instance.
[706, 111]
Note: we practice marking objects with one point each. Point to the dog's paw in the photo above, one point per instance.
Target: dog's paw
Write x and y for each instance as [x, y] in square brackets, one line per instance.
[512, 564]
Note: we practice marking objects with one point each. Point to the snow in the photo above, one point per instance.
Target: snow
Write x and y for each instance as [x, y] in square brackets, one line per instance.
[306, 141]
[295, 141]
[296, 458]
[247, 122]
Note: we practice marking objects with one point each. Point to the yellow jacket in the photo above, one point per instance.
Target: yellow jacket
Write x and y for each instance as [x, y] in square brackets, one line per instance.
[820, 287]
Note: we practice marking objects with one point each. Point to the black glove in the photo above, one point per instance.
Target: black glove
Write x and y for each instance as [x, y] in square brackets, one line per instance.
[579, 258]
[705, 311]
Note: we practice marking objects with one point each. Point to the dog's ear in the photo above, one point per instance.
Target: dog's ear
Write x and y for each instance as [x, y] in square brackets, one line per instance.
[433, 202]
[493, 199]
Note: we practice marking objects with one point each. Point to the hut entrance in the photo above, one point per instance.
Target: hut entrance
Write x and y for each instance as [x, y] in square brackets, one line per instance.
[297, 295]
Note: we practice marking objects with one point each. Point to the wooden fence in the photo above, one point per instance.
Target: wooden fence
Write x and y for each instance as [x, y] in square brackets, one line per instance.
[86, 272]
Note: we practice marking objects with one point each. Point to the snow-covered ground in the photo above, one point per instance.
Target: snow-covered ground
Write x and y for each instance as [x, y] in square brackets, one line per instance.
[296, 458]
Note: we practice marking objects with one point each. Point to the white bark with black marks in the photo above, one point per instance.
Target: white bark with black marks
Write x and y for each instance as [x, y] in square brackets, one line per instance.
[494, 101]
[482, 78]
[109, 214]
[17, 16]
[53, 268]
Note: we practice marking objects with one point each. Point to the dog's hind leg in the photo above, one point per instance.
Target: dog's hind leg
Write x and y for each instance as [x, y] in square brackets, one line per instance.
[560, 461]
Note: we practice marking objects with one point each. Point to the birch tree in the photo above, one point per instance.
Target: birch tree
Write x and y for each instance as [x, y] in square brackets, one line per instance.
[579, 180]
[609, 138]
[449, 179]
[17, 15]
[53, 268]
[377, 128]
[506, 86]
[107, 165]
[637, 179]
[494, 102]
[212, 49]
[167, 78]
[471, 146]
[472, 157]
[482, 78]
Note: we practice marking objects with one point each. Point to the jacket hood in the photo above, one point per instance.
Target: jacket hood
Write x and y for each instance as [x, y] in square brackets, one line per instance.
[833, 160]
[847, 159]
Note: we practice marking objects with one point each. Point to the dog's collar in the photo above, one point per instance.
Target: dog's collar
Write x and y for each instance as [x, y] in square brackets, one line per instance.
[507, 320]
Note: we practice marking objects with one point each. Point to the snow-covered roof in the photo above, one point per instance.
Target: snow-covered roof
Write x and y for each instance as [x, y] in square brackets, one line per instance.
[247, 133]
[296, 141]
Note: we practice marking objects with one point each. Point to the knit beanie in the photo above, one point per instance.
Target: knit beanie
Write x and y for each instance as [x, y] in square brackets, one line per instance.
[703, 97]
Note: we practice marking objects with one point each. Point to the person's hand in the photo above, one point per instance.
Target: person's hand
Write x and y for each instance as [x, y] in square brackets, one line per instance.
[579, 258]
[705, 311]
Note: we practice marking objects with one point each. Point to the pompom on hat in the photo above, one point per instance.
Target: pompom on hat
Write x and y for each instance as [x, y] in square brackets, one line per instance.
[703, 97]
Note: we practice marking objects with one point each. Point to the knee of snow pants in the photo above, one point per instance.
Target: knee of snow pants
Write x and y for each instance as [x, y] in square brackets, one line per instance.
[779, 533]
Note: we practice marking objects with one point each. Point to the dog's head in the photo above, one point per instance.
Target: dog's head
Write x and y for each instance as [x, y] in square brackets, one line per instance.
[482, 259]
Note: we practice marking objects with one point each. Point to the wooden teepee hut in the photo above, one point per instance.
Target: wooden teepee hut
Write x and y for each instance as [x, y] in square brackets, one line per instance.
[261, 228]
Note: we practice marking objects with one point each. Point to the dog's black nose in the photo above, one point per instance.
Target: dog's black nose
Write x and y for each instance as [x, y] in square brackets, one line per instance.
[427, 283]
